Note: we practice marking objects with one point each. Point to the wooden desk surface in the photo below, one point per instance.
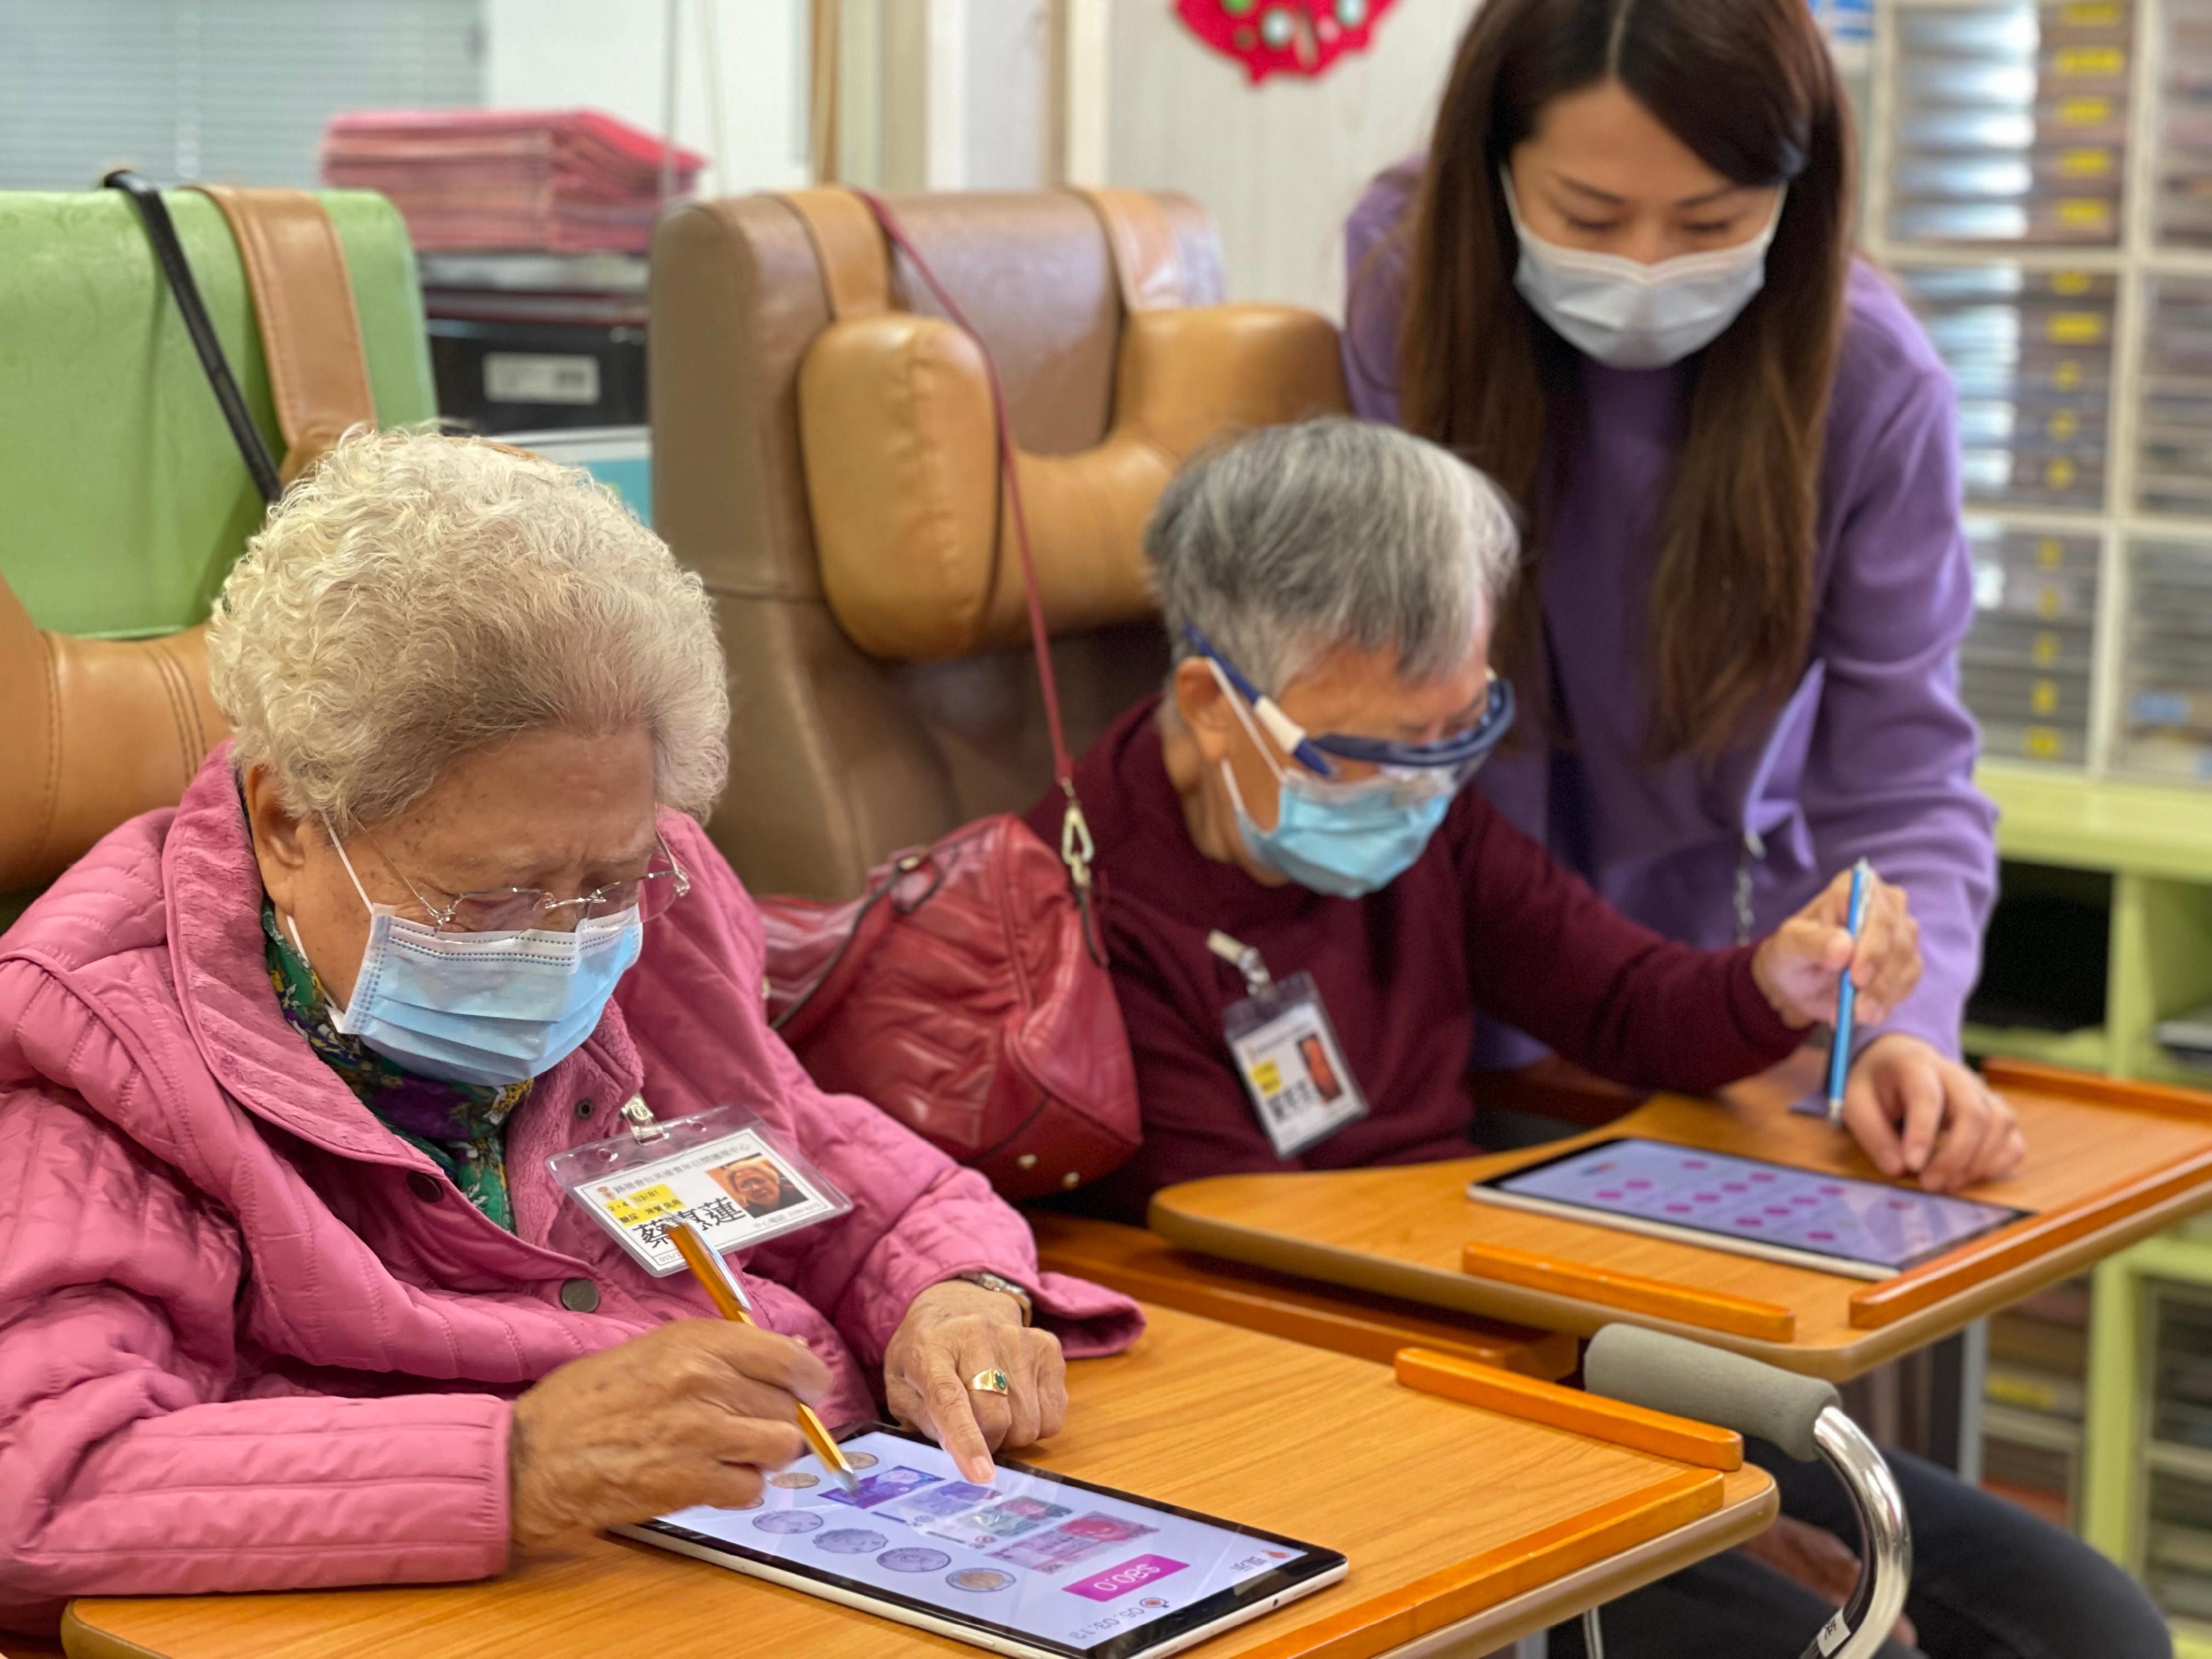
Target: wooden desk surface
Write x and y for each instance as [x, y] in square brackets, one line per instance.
[1401, 1231]
[1142, 1264]
[1449, 1515]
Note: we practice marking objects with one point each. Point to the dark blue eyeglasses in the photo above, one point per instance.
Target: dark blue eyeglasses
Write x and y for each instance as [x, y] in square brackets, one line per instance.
[1464, 751]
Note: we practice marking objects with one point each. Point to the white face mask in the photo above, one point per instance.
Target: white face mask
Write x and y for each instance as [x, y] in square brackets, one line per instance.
[1630, 315]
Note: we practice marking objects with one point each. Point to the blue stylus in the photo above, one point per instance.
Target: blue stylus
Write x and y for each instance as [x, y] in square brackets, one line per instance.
[1839, 1056]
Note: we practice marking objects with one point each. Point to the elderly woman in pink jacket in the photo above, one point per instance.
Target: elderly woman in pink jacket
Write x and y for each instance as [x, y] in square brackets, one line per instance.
[293, 1290]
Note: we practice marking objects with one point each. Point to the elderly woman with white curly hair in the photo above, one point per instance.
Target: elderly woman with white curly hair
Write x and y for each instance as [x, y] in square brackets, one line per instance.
[292, 1291]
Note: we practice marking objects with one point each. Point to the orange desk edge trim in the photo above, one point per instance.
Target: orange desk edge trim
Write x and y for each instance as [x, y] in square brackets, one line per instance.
[1148, 1268]
[1975, 1263]
[1498, 1575]
[1685, 1304]
[2030, 1076]
[1512, 1394]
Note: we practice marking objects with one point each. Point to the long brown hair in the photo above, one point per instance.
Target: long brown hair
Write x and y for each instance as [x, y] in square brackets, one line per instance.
[1749, 86]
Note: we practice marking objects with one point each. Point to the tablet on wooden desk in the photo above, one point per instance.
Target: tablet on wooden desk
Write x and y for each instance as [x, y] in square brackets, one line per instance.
[1034, 1564]
[1807, 1218]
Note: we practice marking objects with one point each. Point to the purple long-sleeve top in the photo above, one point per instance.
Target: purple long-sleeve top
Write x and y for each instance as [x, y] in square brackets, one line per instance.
[1873, 754]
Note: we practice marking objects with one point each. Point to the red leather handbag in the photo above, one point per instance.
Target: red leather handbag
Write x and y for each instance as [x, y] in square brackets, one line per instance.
[961, 994]
[966, 991]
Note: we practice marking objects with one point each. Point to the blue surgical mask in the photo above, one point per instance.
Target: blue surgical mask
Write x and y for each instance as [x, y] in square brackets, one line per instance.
[490, 1008]
[1347, 846]
[1344, 840]
[1630, 315]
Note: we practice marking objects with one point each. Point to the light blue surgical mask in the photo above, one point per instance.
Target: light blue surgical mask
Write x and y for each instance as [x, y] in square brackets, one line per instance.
[490, 1008]
[1348, 846]
[1344, 840]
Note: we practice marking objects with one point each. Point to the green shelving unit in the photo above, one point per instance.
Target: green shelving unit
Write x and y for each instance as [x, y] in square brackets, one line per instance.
[2133, 1468]
[2154, 842]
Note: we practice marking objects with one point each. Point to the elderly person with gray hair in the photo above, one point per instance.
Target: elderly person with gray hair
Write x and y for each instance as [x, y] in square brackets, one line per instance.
[290, 1293]
[1305, 906]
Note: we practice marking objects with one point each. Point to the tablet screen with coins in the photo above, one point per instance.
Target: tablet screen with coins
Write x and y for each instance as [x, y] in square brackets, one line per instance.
[1034, 1563]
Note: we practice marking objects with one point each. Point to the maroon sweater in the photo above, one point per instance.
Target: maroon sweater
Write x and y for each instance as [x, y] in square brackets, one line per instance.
[1484, 919]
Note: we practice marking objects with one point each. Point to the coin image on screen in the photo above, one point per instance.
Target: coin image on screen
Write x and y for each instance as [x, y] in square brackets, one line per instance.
[851, 1540]
[795, 1480]
[914, 1560]
[978, 1579]
[787, 1521]
[862, 1460]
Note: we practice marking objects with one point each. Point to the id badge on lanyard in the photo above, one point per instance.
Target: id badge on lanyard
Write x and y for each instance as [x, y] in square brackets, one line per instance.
[1287, 1054]
[723, 1170]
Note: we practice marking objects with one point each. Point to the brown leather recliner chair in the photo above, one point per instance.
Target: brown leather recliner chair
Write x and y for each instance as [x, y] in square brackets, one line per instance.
[839, 756]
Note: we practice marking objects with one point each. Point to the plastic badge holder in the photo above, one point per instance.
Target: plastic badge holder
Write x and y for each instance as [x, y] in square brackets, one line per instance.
[1292, 1065]
[726, 1170]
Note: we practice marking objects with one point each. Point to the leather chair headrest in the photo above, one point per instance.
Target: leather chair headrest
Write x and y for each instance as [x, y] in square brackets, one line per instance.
[901, 446]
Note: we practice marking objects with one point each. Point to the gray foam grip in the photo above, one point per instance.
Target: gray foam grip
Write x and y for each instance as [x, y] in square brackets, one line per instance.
[1667, 1374]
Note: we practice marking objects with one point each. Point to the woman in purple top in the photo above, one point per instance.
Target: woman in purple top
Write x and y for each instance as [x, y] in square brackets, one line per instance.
[1620, 282]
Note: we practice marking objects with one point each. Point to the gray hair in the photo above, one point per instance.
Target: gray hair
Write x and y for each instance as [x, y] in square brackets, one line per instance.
[417, 595]
[1294, 540]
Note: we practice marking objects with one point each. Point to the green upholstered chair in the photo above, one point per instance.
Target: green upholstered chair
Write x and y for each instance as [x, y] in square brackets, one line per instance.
[126, 499]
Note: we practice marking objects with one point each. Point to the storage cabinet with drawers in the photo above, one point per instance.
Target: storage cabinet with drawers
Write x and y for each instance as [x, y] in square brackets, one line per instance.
[2039, 189]
[2040, 180]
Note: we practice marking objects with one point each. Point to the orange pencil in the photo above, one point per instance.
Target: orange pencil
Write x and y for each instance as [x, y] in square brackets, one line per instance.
[730, 1301]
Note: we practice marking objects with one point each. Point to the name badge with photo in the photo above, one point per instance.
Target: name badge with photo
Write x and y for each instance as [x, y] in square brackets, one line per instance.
[1292, 1066]
[725, 1171]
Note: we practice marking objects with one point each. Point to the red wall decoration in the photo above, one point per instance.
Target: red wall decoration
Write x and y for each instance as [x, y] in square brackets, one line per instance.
[1291, 37]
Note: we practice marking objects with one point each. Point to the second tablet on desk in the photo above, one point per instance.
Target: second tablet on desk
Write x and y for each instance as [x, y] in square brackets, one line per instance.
[1807, 1218]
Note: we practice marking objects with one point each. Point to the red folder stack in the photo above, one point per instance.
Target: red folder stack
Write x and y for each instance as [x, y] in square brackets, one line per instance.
[567, 181]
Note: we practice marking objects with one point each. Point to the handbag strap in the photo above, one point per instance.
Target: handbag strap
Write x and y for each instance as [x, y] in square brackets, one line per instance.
[871, 919]
[296, 268]
[1063, 764]
[310, 338]
[858, 278]
[161, 232]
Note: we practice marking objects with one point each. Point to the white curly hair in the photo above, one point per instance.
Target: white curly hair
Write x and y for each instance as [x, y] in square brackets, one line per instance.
[418, 595]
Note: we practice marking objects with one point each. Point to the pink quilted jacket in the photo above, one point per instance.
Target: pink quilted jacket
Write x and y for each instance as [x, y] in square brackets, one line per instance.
[252, 1339]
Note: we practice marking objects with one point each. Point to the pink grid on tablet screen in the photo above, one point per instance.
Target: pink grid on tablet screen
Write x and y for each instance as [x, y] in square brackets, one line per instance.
[1729, 1195]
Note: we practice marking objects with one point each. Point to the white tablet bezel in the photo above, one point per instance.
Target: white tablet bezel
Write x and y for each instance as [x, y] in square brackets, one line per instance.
[988, 1634]
[977, 1636]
